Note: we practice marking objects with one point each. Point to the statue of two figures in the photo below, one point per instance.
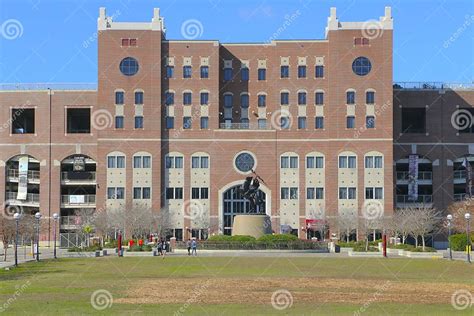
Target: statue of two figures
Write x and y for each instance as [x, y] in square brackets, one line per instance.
[250, 191]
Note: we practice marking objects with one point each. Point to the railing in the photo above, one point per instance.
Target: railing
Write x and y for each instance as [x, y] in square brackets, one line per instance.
[70, 220]
[243, 126]
[47, 86]
[31, 198]
[460, 197]
[422, 175]
[432, 86]
[78, 199]
[15, 173]
[460, 175]
[70, 176]
[423, 199]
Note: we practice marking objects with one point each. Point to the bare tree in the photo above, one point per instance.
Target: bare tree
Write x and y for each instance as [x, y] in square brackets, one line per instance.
[425, 221]
[403, 221]
[163, 221]
[346, 222]
[139, 220]
[457, 210]
[7, 232]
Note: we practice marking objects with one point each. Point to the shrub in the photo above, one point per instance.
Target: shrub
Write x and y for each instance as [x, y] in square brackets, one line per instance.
[459, 241]
[136, 248]
[420, 249]
[278, 238]
[402, 246]
[220, 238]
[85, 249]
[243, 238]
[344, 244]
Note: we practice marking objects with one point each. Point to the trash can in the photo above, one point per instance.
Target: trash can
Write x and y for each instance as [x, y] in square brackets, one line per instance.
[337, 248]
[155, 252]
[97, 253]
[104, 252]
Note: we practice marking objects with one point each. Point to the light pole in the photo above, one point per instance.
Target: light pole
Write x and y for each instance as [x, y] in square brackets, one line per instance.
[38, 217]
[467, 216]
[55, 218]
[16, 216]
[449, 218]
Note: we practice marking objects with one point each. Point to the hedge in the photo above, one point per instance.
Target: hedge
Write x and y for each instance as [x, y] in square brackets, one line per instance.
[459, 241]
[85, 249]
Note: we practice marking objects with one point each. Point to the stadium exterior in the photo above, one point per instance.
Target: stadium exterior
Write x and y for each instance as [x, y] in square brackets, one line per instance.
[176, 125]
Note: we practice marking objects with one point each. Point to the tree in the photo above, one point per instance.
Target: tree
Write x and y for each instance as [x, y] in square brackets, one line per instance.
[163, 222]
[425, 221]
[457, 210]
[402, 223]
[346, 222]
[7, 232]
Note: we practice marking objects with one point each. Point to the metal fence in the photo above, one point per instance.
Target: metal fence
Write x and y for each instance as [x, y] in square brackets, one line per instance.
[69, 240]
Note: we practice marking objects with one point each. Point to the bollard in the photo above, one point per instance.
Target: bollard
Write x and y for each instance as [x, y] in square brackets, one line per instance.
[104, 252]
[155, 253]
[97, 253]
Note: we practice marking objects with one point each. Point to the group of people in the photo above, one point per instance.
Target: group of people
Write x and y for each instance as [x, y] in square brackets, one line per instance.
[163, 246]
[192, 247]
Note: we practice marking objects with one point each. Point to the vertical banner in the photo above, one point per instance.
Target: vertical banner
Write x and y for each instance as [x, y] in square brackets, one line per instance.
[468, 167]
[413, 178]
[22, 178]
[79, 164]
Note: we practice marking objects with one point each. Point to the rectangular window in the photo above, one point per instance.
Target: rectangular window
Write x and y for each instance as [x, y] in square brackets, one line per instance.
[146, 193]
[301, 71]
[204, 122]
[133, 42]
[294, 193]
[319, 71]
[285, 98]
[228, 100]
[378, 193]
[204, 162]
[204, 72]
[139, 97]
[301, 122]
[319, 193]
[285, 162]
[120, 162]
[137, 162]
[350, 122]
[369, 161]
[293, 162]
[342, 193]
[262, 100]
[187, 122]
[187, 72]
[284, 193]
[169, 98]
[309, 162]
[195, 162]
[111, 193]
[262, 74]
[350, 97]
[370, 97]
[228, 74]
[169, 193]
[244, 74]
[319, 162]
[178, 162]
[23, 121]
[169, 122]
[301, 98]
[119, 97]
[204, 193]
[178, 193]
[125, 42]
[370, 122]
[342, 161]
[310, 194]
[120, 193]
[138, 121]
[319, 122]
[204, 98]
[285, 71]
[111, 162]
[351, 193]
[284, 122]
[169, 162]
[146, 162]
[262, 123]
[169, 71]
[137, 193]
[119, 122]
[195, 193]
[351, 162]
[378, 162]
[244, 100]
[187, 98]
[319, 98]
[413, 120]
[369, 193]
[78, 121]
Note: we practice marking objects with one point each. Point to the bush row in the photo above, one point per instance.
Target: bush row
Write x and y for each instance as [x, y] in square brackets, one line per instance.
[264, 238]
[459, 241]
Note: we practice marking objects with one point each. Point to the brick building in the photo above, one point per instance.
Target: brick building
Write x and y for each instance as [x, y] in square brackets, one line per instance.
[176, 126]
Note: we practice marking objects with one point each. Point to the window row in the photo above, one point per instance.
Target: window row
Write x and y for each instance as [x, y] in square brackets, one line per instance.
[187, 72]
[187, 98]
[118, 162]
[120, 97]
[262, 73]
[176, 162]
[316, 162]
[351, 97]
[187, 122]
[141, 193]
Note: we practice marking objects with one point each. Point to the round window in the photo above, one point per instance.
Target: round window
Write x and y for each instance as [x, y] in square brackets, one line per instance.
[129, 66]
[361, 66]
[244, 162]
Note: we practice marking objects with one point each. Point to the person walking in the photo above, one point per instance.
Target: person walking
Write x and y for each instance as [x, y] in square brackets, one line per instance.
[159, 246]
[163, 246]
[194, 247]
[188, 244]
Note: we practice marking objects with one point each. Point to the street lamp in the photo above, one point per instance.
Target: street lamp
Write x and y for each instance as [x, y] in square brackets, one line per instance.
[449, 218]
[38, 217]
[55, 218]
[16, 216]
[467, 216]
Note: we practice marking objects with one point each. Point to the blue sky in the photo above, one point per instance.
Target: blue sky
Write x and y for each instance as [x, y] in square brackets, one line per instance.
[433, 39]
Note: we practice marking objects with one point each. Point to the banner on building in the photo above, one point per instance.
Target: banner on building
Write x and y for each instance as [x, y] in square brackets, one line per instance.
[468, 167]
[79, 164]
[76, 199]
[22, 178]
[413, 178]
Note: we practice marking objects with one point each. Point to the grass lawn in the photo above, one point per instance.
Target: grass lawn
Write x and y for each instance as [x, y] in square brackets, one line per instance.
[237, 285]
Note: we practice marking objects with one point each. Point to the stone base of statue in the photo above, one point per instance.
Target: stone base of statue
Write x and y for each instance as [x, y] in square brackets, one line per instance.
[255, 225]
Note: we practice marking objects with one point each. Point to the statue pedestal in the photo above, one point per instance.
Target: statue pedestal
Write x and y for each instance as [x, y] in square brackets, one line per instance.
[252, 225]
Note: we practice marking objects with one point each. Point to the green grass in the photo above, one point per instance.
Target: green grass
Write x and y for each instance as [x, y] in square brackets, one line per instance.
[65, 286]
